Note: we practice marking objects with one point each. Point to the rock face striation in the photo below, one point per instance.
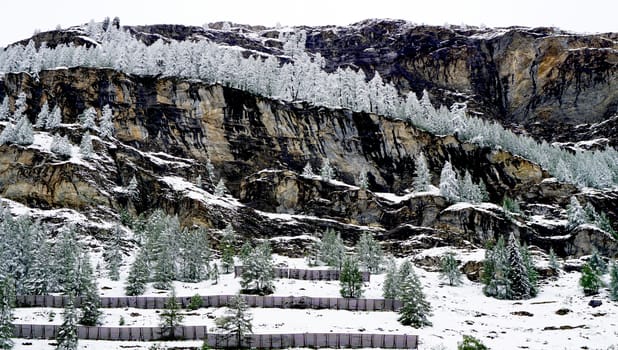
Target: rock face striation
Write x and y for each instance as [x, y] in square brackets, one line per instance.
[168, 129]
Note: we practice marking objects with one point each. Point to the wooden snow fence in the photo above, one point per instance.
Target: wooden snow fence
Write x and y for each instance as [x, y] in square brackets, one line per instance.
[304, 274]
[215, 340]
[280, 302]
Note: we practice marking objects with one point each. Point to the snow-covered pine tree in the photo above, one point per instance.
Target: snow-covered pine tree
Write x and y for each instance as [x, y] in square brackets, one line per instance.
[106, 128]
[510, 206]
[61, 145]
[227, 259]
[89, 292]
[468, 190]
[450, 269]
[590, 280]
[20, 106]
[237, 320]
[308, 170]
[7, 300]
[495, 270]
[258, 270]
[390, 288]
[327, 172]
[8, 134]
[449, 184]
[533, 275]
[24, 135]
[194, 255]
[350, 279]
[214, 273]
[4, 109]
[575, 214]
[415, 310]
[613, 281]
[198, 182]
[471, 343]
[363, 181]
[369, 253]
[517, 274]
[133, 188]
[164, 264]
[54, 119]
[66, 254]
[422, 176]
[41, 118]
[171, 317]
[331, 249]
[88, 119]
[405, 269]
[210, 170]
[605, 224]
[85, 146]
[67, 333]
[220, 189]
[553, 260]
[114, 256]
[138, 275]
[597, 263]
[40, 279]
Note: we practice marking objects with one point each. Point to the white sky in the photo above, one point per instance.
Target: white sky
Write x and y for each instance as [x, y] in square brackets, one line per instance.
[21, 17]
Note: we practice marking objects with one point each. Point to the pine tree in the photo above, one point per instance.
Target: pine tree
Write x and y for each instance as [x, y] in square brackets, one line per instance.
[327, 172]
[468, 190]
[67, 333]
[87, 119]
[605, 224]
[8, 134]
[405, 269]
[613, 282]
[597, 263]
[227, 259]
[533, 275]
[114, 257]
[85, 146]
[106, 129]
[363, 181]
[214, 273]
[164, 265]
[510, 206]
[450, 269]
[210, 170]
[61, 146]
[590, 280]
[390, 288]
[517, 274]
[449, 185]
[575, 214]
[331, 249]
[422, 176]
[54, 119]
[471, 343]
[171, 318]
[138, 275]
[7, 300]
[351, 279]
[42, 117]
[495, 270]
[415, 310]
[258, 270]
[24, 135]
[237, 320]
[553, 260]
[4, 109]
[308, 170]
[89, 292]
[220, 189]
[369, 253]
[20, 106]
[133, 188]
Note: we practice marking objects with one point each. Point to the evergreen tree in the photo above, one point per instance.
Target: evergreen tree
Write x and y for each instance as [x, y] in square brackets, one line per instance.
[85, 146]
[331, 249]
[597, 263]
[138, 275]
[61, 146]
[510, 206]
[220, 189]
[390, 288]
[8, 134]
[87, 119]
[605, 224]
[7, 300]
[415, 310]
[4, 109]
[471, 343]
[214, 273]
[468, 190]
[363, 181]
[369, 253]
[449, 185]
[590, 280]
[422, 176]
[42, 117]
[575, 214]
[237, 320]
[553, 260]
[327, 172]
[89, 292]
[308, 170]
[194, 255]
[54, 119]
[67, 333]
[613, 282]
[164, 265]
[66, 255]
[495, 270]
[258, 270]
[114, 256]
[106, 129]
[533, 275]
[450, 269]
[20, 106]
[227, 259]
[351, 279]
[405, 269]
[210, 170]
[24, 135]
[517, 273]
[133, 188]
[171, 318]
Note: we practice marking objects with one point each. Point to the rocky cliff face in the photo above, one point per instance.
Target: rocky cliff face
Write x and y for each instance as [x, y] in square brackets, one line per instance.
[166, 130]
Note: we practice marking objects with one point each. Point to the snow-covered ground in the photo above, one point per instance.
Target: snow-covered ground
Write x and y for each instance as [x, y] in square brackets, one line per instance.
[500, 324]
